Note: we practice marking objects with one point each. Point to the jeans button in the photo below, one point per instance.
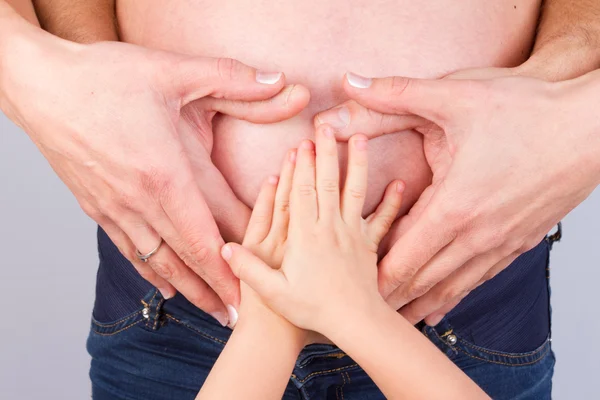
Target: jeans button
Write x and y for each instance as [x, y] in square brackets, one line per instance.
[451, 339]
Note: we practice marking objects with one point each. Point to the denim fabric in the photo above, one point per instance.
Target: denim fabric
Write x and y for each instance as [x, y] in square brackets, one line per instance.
[143, 347]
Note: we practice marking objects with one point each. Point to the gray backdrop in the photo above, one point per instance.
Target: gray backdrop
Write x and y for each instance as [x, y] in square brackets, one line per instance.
[48, 259]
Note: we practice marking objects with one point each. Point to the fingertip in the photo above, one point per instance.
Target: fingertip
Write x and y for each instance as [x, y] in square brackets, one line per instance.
[400, 187]
[270, 78]
[297, 98]
[227, 252]
[359, 141]
[273, 180]
[307, 144]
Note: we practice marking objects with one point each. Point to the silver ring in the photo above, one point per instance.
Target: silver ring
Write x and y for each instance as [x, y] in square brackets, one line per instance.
[145, 257]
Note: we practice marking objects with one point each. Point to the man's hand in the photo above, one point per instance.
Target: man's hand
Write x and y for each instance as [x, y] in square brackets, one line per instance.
[129, 131]
[510, 157]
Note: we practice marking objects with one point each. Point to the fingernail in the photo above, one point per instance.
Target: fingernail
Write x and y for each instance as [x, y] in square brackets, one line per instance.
[400, 186]
[293, 156]
[226, 252]
[338, 118]
[273, 180]
[358, 81]
[166, 293]
[233, 315]
[328, 131]
[268, 78]
[436, 319]
[306, 144]
[221, 317]
[361, 144]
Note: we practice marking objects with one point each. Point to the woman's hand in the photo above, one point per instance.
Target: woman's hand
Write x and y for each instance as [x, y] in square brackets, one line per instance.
[329, 266]
[129, 131]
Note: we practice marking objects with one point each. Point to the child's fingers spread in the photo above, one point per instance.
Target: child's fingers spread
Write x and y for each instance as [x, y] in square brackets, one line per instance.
[281, 213]
[253, 271]
[303, 202]
[328, 173]
[262, 214]
[355, 187]
[379, 223]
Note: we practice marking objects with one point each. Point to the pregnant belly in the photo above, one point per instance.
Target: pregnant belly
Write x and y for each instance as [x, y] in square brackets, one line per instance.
[247, 153]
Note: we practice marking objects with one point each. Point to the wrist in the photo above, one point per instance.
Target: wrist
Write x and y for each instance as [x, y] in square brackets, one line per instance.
[276, 330]
[561, 58]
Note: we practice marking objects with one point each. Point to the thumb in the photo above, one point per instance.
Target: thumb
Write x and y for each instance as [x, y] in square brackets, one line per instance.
[192, 78]
[253, 271]
[435, 100]
[350, 118]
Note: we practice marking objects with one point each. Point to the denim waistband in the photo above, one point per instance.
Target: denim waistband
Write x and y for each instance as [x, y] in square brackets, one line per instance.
[508, 313]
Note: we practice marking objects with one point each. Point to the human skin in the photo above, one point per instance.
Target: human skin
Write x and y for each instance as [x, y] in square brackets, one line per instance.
[428, 43]
[135, 157]
[328, 280]
[262, 339]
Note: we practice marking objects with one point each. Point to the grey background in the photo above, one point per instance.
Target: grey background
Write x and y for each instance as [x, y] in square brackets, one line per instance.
[48, 263]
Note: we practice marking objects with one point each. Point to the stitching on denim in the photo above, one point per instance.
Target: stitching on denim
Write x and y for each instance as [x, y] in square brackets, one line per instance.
[323, 372]
[348, 376]
[206, 335]
[304, 392]
[156, 313]
[342, 387]
[120, 330]
[503, 363]
[101, 325]
[508, 355]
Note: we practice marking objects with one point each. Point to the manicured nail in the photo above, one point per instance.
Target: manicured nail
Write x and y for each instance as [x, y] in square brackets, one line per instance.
[268, 78]
[361, 144]
[338, 118]
[233, 316]
[358, 81]
[166, 293]
[293, 156]
[226, 252]
[436, 319]
[400, 186]
[328, 131]
[273, 180]
[221, 317]
[306, 144]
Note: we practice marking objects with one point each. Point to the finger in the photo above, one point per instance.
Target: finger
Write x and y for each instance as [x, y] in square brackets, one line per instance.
[380, 222]
[167, 265]
[127, 249]
[434, 100]
[437, 316]
[303, 202]
[184, 221]
[190, 78]
[351, 118]
[427, 235]
[284, 105]
[262, 214]
[281, 214]
[355, 186]
[230, 214]
[269, 283]
[455, 286]
[328, 173]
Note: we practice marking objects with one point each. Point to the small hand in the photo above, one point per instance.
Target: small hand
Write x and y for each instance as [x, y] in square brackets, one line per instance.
[505, 159]
[329, 265]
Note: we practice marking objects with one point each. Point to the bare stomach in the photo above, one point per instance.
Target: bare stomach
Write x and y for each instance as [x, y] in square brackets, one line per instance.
[314, 42]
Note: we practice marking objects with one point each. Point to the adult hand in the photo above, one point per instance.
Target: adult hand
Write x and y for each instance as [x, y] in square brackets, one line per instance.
[128, 130]
[507, 165]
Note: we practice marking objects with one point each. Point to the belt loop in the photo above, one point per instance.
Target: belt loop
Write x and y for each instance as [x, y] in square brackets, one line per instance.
[556, 236]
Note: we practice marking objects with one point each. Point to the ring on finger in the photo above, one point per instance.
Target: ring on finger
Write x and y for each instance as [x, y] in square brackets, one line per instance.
[145, 257]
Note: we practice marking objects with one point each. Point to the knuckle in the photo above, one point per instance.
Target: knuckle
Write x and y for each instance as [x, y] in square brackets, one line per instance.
[307, 190]
[164, 269]
[329, 185]
[399, 85]
[226, 68]
[199, 253]
[154, 180]
[357, 193]
[282, 205]
[92, 212]
[418, 288]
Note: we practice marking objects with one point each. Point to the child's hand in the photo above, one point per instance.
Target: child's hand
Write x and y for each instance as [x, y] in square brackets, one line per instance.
[329, 267]
[266, 236]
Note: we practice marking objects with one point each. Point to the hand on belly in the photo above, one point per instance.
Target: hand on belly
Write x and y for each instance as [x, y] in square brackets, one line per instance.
[247, 153]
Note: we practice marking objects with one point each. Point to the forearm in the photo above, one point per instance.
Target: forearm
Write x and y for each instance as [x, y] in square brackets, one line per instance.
[568, 40]
[82, 21]
[256, 363]
[25, 9]
[399, 359]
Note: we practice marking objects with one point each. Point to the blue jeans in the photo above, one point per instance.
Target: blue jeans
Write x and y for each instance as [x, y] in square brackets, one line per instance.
[499, 336]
